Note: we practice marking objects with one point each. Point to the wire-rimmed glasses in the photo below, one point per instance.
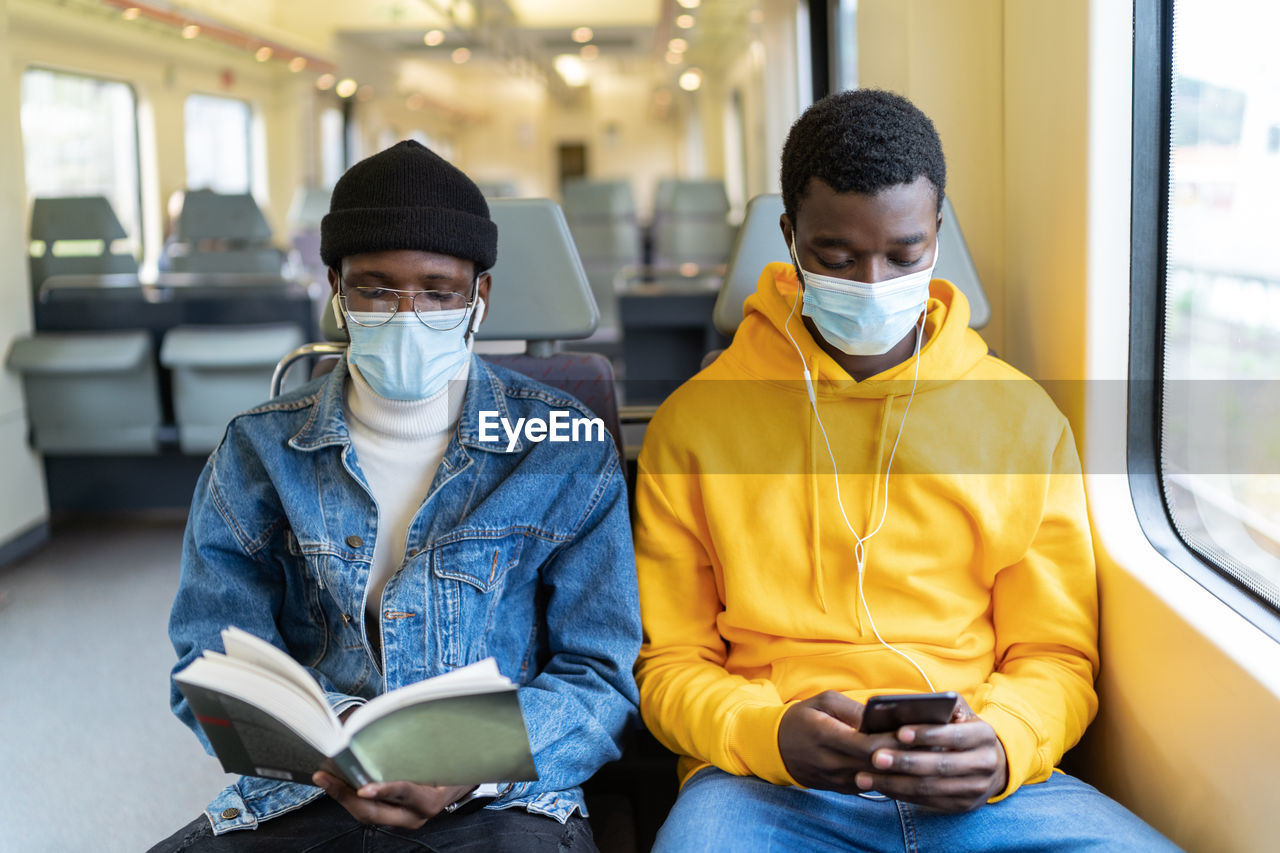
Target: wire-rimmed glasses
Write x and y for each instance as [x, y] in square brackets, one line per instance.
[375, 305]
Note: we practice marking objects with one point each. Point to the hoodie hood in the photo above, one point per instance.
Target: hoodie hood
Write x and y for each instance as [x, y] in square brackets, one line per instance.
[762, 350]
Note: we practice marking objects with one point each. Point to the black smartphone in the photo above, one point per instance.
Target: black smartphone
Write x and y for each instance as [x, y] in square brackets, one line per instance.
[887, 713]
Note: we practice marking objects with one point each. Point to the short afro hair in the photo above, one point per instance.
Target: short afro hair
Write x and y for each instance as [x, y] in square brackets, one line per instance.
[862, 141]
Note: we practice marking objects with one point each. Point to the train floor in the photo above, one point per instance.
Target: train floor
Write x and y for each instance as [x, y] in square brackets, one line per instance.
[94, 760]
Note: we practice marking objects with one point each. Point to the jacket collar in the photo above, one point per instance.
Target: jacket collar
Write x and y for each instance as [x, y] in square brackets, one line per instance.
[325, 425]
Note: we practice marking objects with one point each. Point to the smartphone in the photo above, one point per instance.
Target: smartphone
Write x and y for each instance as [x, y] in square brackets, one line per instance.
[887, 713]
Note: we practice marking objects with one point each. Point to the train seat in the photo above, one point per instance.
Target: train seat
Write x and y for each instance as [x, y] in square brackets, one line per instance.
[602, 219]
[759, 242]
[219, 371]
[85, 220]
[499, 189]
[219, 233]
[89, 392]
[692, 226]
[540, 296]
[310, 204]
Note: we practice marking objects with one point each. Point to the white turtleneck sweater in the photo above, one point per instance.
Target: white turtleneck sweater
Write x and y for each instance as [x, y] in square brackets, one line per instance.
[399, 445]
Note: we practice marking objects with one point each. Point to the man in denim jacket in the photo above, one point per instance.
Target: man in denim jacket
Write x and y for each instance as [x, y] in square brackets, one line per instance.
[364, 525]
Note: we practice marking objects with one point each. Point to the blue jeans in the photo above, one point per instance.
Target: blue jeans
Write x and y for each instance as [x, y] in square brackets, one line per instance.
[717, 811]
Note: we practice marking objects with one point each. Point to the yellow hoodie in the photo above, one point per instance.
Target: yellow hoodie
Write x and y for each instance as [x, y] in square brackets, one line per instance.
[982, 571]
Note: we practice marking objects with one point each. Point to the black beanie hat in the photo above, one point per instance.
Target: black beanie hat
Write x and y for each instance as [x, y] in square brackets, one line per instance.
[408, 197]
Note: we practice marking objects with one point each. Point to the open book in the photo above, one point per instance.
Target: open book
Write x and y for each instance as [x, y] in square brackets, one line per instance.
[266, 716]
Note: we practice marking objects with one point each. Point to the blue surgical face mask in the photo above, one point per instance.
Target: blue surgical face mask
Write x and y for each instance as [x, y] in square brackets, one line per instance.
[403, 359]
[860, 318]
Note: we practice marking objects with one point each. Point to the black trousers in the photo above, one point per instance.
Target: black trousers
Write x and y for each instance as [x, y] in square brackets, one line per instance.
[324, 826]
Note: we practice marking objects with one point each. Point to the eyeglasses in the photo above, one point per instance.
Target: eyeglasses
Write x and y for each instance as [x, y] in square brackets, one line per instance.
[433, 308]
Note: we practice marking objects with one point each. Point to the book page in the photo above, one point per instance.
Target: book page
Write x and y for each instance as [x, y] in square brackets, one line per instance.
[480, 677]
[242, 645]
[450, 740]
[283, 699]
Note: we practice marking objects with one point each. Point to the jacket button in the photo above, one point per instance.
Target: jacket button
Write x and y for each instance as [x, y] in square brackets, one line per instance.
[230, 814]
[355, 541]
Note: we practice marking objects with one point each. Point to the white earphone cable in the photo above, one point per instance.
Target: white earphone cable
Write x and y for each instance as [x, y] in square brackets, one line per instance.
[860, 548]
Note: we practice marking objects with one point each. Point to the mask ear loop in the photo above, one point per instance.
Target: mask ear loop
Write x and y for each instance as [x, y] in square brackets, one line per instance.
[860, 548]
[336, 302]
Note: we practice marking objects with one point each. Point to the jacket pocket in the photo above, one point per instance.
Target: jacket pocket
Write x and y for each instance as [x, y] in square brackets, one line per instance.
[467, 580]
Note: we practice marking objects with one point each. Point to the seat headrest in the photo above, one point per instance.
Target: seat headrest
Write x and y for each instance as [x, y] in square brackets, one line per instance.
[207, 215]
[699, 198]
[310, 204]
[540, 291]
[955, 264]
[75, 218]
[583, 198]
[758, 242]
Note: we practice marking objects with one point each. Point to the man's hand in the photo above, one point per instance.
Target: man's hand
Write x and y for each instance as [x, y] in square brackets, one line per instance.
[821, 745]
[954, 767]
[400, 804]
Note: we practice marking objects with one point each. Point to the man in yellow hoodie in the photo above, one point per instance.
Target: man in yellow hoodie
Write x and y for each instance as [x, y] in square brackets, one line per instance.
[856, 498]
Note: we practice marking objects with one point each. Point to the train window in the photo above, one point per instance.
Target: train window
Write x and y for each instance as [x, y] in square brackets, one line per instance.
[333, 158]
[1206, 292]
[844, 45]
[80, 137]
[217, 144]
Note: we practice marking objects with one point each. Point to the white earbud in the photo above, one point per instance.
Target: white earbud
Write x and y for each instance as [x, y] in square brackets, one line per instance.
[477, 316]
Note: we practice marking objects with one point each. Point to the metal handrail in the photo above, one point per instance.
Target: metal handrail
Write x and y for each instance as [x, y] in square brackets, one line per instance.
[320, 348]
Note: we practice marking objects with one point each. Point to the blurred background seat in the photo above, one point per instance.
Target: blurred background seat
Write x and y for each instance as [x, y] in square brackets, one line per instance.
[75, 236]
[222, 234]
[219, 371]
[602, 219]
[89, 393]
[691, 226]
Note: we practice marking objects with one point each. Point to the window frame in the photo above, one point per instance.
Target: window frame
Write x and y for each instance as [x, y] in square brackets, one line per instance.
[140, 241]
[1151, 173]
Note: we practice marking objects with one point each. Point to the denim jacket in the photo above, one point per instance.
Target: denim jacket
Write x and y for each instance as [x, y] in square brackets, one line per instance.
[523, 554]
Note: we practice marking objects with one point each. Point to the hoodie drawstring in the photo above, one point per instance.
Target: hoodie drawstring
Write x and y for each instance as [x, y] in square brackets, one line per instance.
[815, 516]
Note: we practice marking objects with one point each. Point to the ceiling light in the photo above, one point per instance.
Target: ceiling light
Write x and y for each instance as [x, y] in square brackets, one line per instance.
[690, 4]
[589, 52]
[263, 53]
[460, 55]
[346, 87]
[190, 31]
[674, 58]
[677, 45]
[690, 80]
[433, 38]
[582, 34]
[571, 69]
[685, 22]
[297, 64]
[131, 13]
[324, 82]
